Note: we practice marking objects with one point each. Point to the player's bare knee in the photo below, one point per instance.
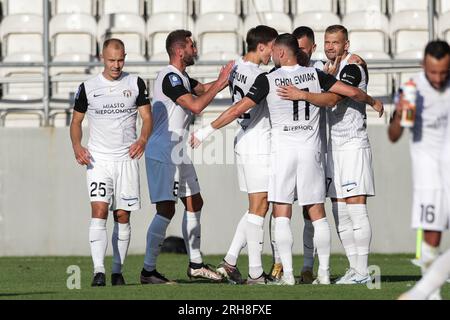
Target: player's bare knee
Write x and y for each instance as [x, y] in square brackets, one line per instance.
[99, 210]
[122, 216]
[166, 209]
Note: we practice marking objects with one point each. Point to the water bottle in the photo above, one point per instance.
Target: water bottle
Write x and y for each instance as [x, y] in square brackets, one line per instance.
[409, 90]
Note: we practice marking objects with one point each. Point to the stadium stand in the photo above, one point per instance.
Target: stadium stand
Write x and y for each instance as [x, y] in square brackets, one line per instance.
[88, 7]
[120, 6]
[409, 34]
[379, 30]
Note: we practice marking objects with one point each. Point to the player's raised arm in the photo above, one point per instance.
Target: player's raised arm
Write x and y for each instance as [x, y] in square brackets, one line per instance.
[258, 92]
[201, 88]
[197, 104]
[232, 113]
[395, 130]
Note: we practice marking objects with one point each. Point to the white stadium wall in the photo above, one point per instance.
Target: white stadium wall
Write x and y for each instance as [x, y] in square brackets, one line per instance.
[44, 208]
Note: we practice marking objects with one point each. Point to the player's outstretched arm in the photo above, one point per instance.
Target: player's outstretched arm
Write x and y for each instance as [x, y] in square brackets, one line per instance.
[201, 88]
[225, 118]
[358, 95]
[137, 149]
[197, 104]
[326, 99]
[82, 155]
[395, 130]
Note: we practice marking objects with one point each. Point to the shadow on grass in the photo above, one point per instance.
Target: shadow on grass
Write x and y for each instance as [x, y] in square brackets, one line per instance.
[399, 278]
[24, 294]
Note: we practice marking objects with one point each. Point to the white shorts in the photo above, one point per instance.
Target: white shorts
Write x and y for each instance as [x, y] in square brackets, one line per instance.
[349, 173]
[297, 174]
[429, 209]
[253, 172]
[168, 182]
[116, 183]
[429, 206]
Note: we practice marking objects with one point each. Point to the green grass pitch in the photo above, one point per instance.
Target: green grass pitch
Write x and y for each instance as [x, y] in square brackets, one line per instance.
[46, 278]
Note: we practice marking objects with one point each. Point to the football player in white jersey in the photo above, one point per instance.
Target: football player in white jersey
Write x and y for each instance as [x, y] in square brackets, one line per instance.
[306, 42]
[170, 172]
[252, 151]
[112, 101]
[429, 150]
[349, 165]
[296, 161]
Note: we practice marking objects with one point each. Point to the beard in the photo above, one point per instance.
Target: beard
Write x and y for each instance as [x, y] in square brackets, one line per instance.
[190, 60]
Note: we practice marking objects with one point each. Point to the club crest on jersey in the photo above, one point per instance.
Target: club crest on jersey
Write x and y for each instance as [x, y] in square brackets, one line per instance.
[174, 80]
[126, 93]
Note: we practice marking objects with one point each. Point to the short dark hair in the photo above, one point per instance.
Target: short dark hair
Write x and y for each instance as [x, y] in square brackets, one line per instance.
[337, 28]
[304, 31]
[259, 34]
[437, 49]
[116, 43]
[289, 41]
[176, 38]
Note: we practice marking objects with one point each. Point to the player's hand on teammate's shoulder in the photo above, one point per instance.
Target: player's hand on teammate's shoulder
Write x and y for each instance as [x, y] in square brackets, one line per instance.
[290, 92]
[332, 67]
[82, 155]
[137, 149]
[354, 58]
[378, 107]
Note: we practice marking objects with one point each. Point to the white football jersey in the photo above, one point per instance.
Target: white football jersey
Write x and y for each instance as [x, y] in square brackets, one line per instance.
[253, 136]
[428, 135]
[295, 124]
[170, 121]
[347, 120]
[111, 108]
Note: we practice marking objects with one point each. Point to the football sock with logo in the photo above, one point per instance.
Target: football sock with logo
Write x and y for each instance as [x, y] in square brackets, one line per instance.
[255, 238]
[98, 239]
[273, 244]
[308, 245]
[191, 229]
[120, 242]
[362, 233]
[322, 243]
[284, 242]
[238, 243]
[155, 238]
[344, 226]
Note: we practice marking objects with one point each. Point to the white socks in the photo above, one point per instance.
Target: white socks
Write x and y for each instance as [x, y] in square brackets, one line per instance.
[255, 240]
[362, 233]
[429, 254]
[436, 276]
[99, 242]
[273, 244]
[191, 230]
[308, 245]
[344, 227]
[120, 242]
[284, 242]
[239, 241]
[155, 237]
[322, 243]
